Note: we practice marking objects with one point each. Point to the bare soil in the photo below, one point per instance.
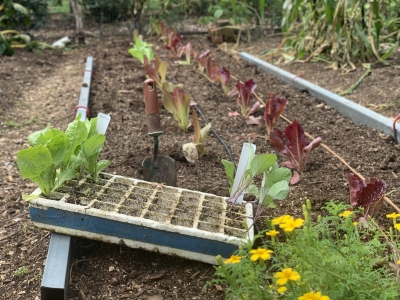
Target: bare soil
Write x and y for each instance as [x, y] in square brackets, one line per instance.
[39, 88]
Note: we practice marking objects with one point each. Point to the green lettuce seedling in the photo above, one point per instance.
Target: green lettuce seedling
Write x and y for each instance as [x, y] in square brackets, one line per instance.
[141, 49]
[40, 161]
[90, 150]
[56, 156]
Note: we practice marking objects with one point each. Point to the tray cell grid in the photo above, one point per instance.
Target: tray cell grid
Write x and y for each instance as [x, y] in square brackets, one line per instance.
[163, 204]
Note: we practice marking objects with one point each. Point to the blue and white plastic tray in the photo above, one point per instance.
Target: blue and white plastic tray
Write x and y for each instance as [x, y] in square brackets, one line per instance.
[143, 215]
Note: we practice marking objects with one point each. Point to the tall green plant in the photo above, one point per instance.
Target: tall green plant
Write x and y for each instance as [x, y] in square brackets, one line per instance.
[343, 31]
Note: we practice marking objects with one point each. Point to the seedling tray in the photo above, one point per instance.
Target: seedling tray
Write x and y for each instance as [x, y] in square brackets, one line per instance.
[141, 214]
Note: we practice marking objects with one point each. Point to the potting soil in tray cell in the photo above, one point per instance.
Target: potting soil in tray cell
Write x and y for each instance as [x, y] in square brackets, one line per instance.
[129, 211]
[139, 205]
[110, 199]
[104, 206]
[181, 222]
[184, 214]
[164, 202]
[159, 209]
[142, 191]
[156, 217]
[208, 227]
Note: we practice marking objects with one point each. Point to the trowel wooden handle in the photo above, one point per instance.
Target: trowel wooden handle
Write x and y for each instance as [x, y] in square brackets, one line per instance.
[152, 109]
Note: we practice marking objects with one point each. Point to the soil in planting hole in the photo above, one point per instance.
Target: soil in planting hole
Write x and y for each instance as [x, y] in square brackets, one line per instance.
[38, 89]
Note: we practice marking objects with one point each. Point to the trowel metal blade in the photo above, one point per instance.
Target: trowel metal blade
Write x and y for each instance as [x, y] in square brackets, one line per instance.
[163, 170]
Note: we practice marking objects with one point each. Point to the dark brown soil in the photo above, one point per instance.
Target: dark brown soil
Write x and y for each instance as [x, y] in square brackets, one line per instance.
[37, 89]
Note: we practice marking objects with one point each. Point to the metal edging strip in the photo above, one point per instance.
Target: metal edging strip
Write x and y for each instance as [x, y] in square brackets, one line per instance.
[359, 114]
[55, 279]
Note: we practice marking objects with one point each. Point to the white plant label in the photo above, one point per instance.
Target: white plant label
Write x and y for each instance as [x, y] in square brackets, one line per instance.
[243, 160]
[102, 123]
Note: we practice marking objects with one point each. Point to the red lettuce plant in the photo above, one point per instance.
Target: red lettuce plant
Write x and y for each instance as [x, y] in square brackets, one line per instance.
[172, 43]
[188, 51]
[274, 107]
[202, 60]
[156, 70]
[245, 96]
[177, 102]
[293, 145]
[224, 78]
[367, 193]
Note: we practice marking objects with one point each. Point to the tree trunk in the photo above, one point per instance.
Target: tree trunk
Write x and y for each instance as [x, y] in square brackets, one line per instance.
[78, 14]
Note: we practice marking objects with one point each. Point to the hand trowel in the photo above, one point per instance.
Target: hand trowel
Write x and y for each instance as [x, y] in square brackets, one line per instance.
[156, 168]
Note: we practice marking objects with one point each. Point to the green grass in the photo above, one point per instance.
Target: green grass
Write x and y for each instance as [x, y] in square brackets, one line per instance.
[64, 9]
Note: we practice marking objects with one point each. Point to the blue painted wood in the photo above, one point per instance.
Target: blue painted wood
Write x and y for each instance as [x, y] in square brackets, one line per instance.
[175, 240]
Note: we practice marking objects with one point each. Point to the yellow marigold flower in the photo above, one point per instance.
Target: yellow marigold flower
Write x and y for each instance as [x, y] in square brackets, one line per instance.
[280, 219]
[392, 216]
[260, 253]
[272, 233]
[398, 262]
[355, 223]
[234, 259]
[313, 296]
[286, 275]
[397, 226]
[290, 224]
[281, 289]
[345, 214]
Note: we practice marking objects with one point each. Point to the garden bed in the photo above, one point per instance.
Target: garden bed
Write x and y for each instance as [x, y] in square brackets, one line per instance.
[118, 92]
[108, 271]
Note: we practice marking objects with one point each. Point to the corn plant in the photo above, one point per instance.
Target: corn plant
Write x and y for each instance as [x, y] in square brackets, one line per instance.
[343, 32]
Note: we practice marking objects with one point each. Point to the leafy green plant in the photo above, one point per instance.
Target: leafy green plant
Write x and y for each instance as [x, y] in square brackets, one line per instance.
[274, 184]
[195, 150]
[332, 258]
[177, 102]
[21, 271]
[141, 49]
[56, 156]
[10, 12]
[90, 150]
[237, 12]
